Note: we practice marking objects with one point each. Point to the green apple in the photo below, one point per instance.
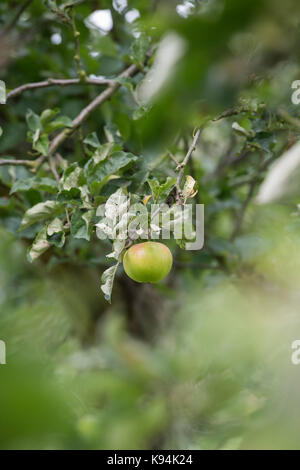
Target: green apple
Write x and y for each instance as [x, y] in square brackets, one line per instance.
[148, 262]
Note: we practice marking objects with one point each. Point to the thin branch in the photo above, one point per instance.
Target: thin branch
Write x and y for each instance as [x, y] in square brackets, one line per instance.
[4, 161]
[290, 119]
[175, 161]
[68, 223]
[240, 217]
[231, 112]
[52, 165]
[81, 139]
[15, 19]
[251, 190]
[83, 115]
[187, 157]
[80, 72]
[58, 82]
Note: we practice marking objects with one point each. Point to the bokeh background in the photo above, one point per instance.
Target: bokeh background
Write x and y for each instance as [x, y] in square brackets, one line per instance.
[202, 360]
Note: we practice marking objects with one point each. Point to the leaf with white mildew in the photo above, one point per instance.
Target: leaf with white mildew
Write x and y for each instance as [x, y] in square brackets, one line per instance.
[108, 281]
[55, 233]
[39, 246]
[40, 212]
[116, 206]
[118, 246]
[71, 177]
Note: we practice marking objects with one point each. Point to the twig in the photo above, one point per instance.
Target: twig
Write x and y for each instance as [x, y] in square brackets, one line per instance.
[58, 82]
[242, 212]
[68, 218]
[83, 115]
[252, 186]
[175, 161]
[80, 72]
[231, 112]
[187, 157]
[15, 19]
[290, 119]
[52, 165]
[4, 161]
[81, 138]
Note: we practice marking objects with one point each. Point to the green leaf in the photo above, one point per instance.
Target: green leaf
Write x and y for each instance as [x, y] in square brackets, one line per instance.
[33, 121]
[46, 184]
[141, 111]
[106, 46]
[161, 190]
[109, 166]
[41, 184]
[41, 144]
[71, 178]
[40, 212]
[47, 115]
[67, 195]
[103, 151]
[39, 246]
[126, 82]
[22, 185]
[265, 141]
[139, 48]
[107, 280]
[61, 121]
[81, 224]
[92, 140]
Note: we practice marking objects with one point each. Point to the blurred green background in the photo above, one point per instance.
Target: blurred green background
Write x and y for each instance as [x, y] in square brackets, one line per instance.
[202, 360]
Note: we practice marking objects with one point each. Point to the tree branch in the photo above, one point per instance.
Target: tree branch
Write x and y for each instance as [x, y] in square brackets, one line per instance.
[240, 217]
[52, 165]
[290, 119]
[4, 161]
[59, 82]
[231, 112]
[83, 115]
